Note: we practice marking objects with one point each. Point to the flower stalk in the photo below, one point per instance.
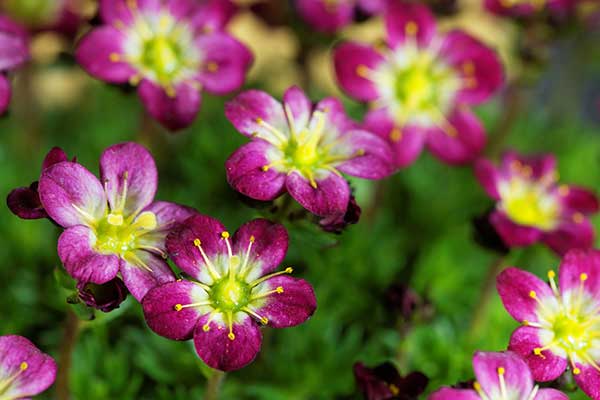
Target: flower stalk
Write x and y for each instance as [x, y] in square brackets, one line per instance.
[213, 385]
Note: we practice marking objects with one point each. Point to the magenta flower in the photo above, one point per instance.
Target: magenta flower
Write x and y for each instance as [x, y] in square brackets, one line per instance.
[25, 202]
[232, 292]
[113, 225]
[561, 322]
[532, 207]
[24, 370]
[14, 51]
[526, 8]
[62, 16]
[330, 15]
[500, 376]
[170, 49]
[301, 149]
[421, 85]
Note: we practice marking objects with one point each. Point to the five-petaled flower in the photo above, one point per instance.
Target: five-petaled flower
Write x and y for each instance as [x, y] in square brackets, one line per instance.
[232, 291]
[113, 225]
[561, 322]
[500, 376]
[421, 85]
[14, 51]
[301, 149]
[24, 370]
[331, 15]
[532, 206]
[526, 8]
[172, 49]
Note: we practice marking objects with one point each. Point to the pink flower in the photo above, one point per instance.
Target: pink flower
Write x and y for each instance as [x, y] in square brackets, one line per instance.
[561, 321]
[500, 376]
[330, 15]
[14, 51]
[171, 49]
[526, 8]
[531, 206]
[421, 84]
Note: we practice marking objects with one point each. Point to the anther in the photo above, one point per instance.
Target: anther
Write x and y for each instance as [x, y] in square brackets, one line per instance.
[259, 120]
[532, 294]
[23, 366]
[578, 218]
[396, 135]
[264, 168]
[411, 28]
[252, 239]
[468, 67]
[583, 277]
[206, 327]
[551, 274]
[178, 307]
[501, 370]
[576, 371]
[362, 71]
[289, 270]
[538, 352]
[279, 289]
[563, 190]
[231, 336]
[114, 57]
[225, 235]
[212, 66]
[197, 242]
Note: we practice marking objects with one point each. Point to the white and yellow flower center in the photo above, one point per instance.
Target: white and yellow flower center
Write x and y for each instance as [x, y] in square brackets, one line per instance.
[232, 289]
[7, 381]
[529, 203]
[33, 12]
[416, 85]
[569, 324]
[503, 391]
[161, 48]
[313, 150]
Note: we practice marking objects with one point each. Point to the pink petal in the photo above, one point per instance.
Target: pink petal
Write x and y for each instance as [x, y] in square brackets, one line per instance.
[114, 12]
[541, 164]
[488, 176]
[514, 235]
[330, 197]
[578, 263]
[579, 199]
[326, 17]
[589, 381]
[516, 372]
[350, 60]
[5, 93]
[454, 394]
[543, 369]
[174, 113]
[300, 106]
[139, 279]
[515, 287]
[213, 15]
[570, 235]
[550, 394]
[376, 160]
[402, 17]
[269, 247]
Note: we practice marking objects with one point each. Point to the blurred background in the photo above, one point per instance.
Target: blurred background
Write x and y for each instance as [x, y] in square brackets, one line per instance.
[406, 284]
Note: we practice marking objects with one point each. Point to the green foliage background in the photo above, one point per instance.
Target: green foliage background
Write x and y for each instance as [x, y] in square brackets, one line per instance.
[416, 230]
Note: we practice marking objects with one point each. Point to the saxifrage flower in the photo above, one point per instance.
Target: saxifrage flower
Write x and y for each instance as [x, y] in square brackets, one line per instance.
[24, 370]
[526, 8]
[531, 205]
[561, 321]
[14, 51]
[500, 376]
[301, 149]
[171, 49]
[331, 15]
[112, 225]
[232, 290]
[421, 84]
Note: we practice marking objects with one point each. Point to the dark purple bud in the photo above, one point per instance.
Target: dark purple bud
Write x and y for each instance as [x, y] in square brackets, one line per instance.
[25, 203]
[385, 383]
[338, 223]
[401, 298]
[486, 235]
[105, 297]
[54, 156]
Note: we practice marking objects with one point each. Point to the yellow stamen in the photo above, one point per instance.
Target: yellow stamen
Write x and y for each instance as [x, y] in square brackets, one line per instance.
[114, 57]
[411, 28]
[214, 274]
[288, 270]
[363, 71]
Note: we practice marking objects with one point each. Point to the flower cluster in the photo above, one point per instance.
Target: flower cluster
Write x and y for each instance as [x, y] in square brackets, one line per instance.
[532, 206]
[171, 50]
[421, 84]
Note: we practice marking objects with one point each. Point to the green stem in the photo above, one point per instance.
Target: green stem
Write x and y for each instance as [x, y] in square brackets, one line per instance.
[213, 386]
[487, 289]
[67, 346]
[511, 108]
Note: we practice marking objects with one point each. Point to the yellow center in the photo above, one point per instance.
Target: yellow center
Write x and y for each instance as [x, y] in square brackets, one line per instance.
[162, 55]
[528, 203]
[116, 235]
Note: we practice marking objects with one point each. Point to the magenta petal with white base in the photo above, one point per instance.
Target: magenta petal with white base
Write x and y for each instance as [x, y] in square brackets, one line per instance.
[292, 307]
[351, 60]
[329, 197]
[144, 272]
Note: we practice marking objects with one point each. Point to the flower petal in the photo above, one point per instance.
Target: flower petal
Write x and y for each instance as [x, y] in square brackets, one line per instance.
[515, 287]
[54, 156]
[14, 50]
[300, 106]
[176, 112]
[161, 315]
[269, 246]
[578, 263]
[580, 199]
[181, 9]
[374, 159]
[478, 65]
[130, 177]
[461, 141]
[213, 15]
[325, 16]
[218, 351]
[226, 62]
[71, 194]
[514, 235]
[292, 307]
[516, 373]
[406, 143]
[543, 369]
[168, 216]
[570, 235]
[541, 164]
[336, 120]
[330, 197]
[588, 380]
[40, 372]
[116, 12]
[5, 93]
[183, 251]
[350, 60]
[81, 260]
[454, 394]
[248, 108]
[140, 278]
[488, 176]
[100, 53]
[25, 203]
[407, 21]
[245, 173]
[551, 394]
